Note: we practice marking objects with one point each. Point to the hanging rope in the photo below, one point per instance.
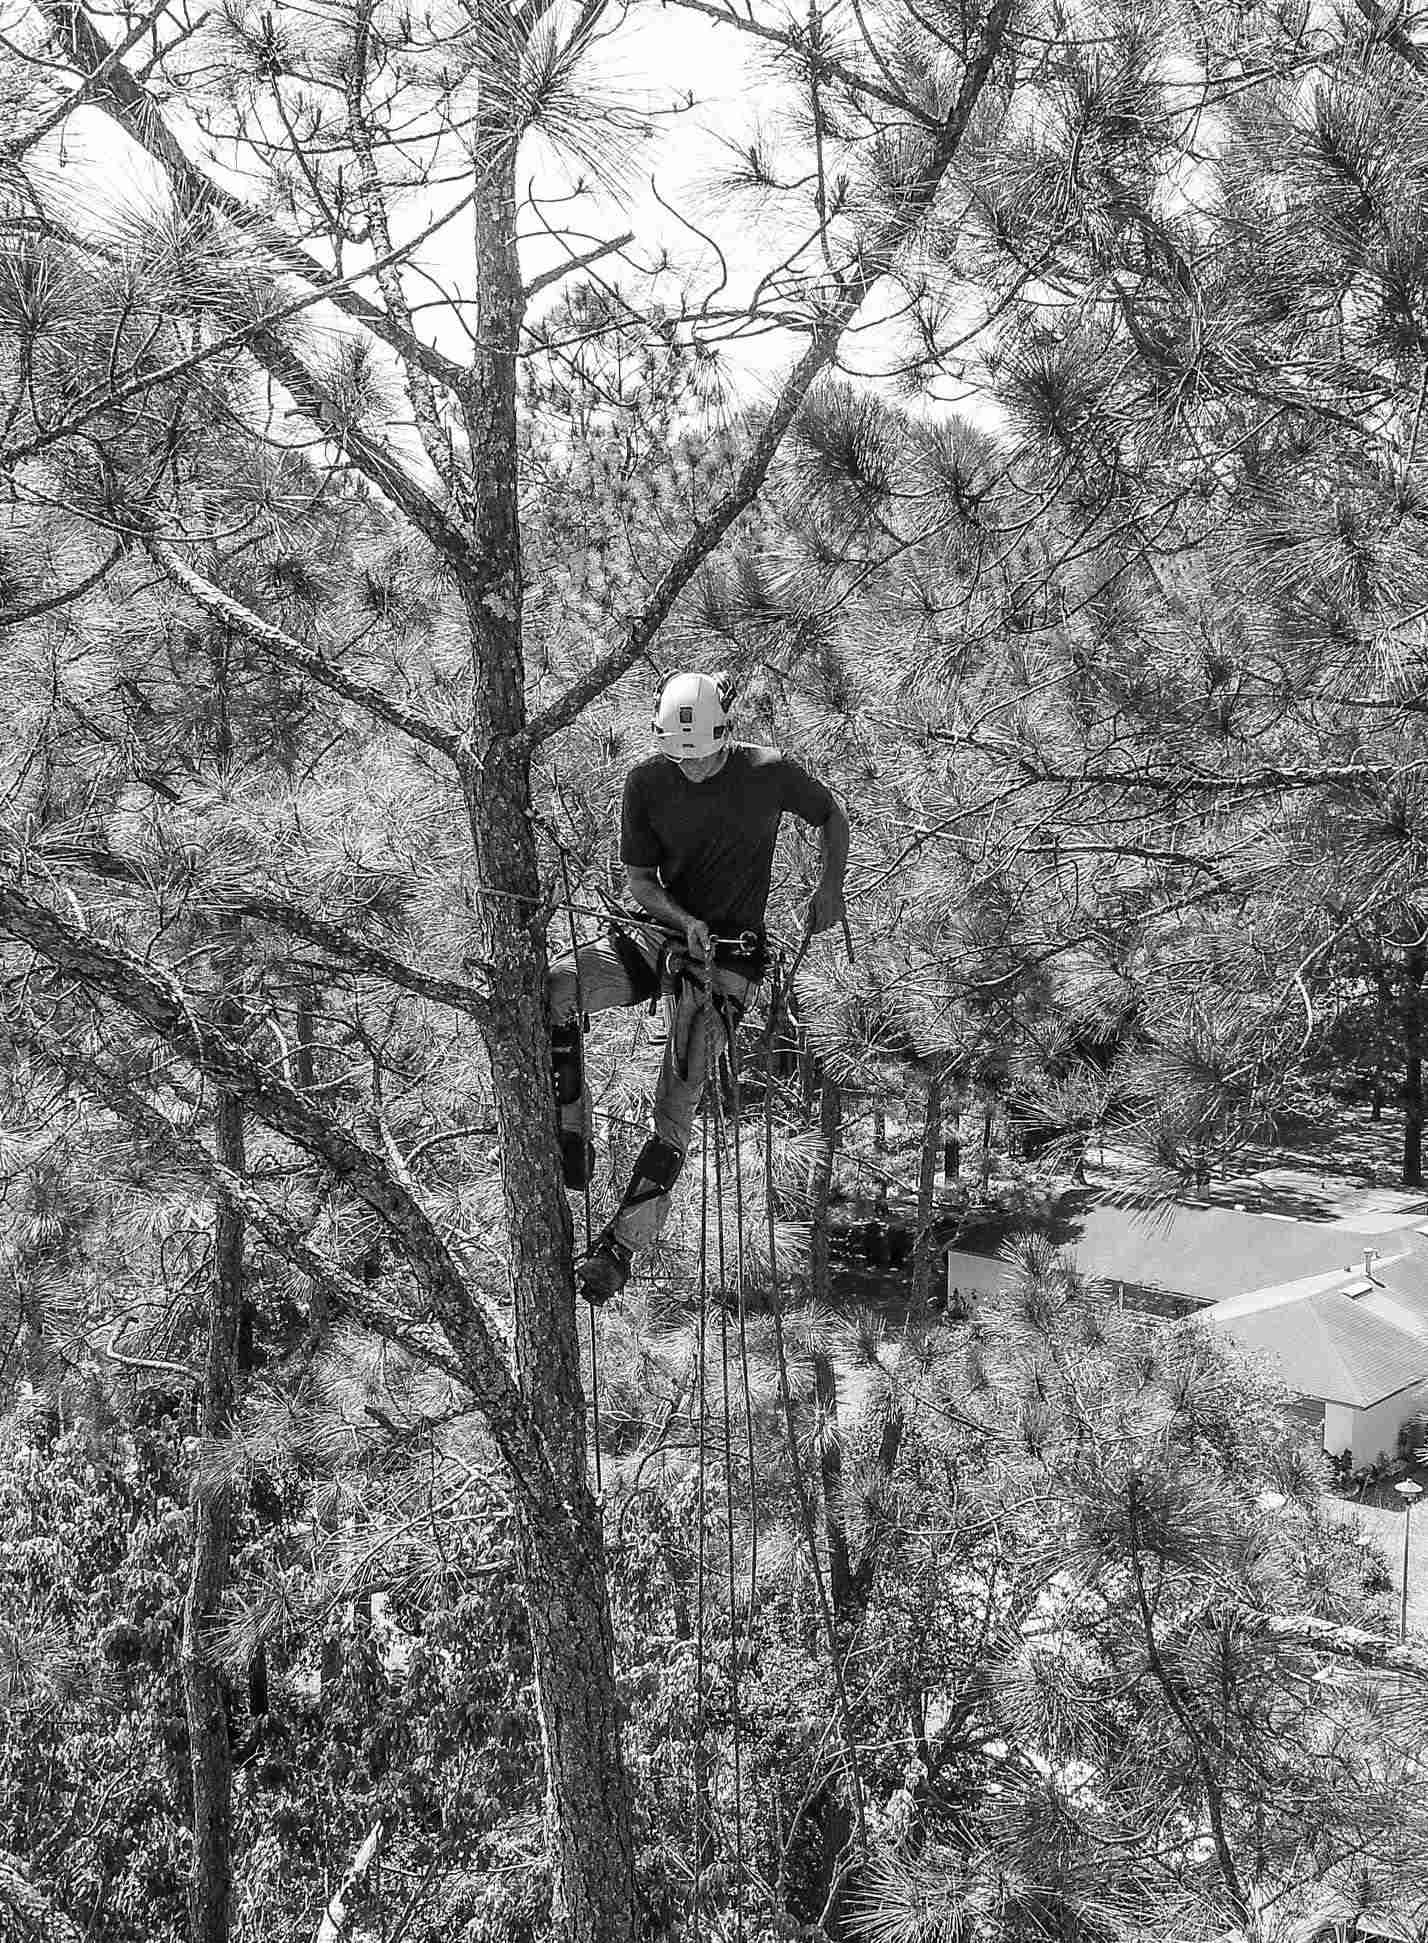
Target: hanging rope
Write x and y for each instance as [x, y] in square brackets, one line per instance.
[805, 1512]
[710, 1024]
[735, 1722]
[589, 1310]
[741, 1271]
[781, 985]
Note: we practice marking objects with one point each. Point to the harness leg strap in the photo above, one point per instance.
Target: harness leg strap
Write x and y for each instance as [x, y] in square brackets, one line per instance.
[657, 1168]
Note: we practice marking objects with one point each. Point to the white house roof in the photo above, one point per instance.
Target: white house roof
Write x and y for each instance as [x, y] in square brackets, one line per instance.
[1206, 1254]
[1326, 1344]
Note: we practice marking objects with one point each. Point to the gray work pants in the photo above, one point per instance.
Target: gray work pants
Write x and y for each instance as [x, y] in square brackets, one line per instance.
[604, 984]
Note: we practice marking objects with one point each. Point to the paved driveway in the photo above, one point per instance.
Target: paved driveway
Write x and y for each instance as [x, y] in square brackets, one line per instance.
[1383, 1522]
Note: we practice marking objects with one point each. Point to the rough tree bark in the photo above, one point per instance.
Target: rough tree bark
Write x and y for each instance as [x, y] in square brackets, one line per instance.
[589, 1801]
[924, 1252]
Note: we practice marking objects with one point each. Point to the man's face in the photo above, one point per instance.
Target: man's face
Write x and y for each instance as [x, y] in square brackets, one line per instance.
[698, 769]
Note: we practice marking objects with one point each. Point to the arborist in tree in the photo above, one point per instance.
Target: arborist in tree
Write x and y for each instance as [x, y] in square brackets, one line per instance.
[699, 823]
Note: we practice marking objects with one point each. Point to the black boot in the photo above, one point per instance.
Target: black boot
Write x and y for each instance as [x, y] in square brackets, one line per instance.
[604, 1272]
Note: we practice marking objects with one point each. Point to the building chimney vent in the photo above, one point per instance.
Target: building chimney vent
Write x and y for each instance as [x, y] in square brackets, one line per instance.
[1370, 1256]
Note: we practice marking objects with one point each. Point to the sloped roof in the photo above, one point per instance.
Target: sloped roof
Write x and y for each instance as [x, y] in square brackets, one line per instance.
[1207, 1254]
[1328, 1346]
[1400, 1292]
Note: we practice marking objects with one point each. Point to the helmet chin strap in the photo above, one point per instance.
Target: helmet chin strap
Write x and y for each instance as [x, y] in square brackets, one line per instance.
[717, 757]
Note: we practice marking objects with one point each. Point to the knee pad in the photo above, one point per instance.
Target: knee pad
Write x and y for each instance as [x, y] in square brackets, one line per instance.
[657, 1168]
[567, 1062]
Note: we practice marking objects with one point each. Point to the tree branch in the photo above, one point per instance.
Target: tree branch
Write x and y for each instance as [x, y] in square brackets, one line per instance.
[187, 1151]
[335, 939]
[136, 111]
[581, 262]
[340, 943]
[282, 647]
[17, 145]
[373, 200]
[159, 1003]
[334, 1918]
[821, 65]
[12, 617]
[1391, 33]
[128, 102]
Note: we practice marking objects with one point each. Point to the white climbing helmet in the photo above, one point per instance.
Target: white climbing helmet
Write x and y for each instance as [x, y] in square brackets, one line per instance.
[690, 718]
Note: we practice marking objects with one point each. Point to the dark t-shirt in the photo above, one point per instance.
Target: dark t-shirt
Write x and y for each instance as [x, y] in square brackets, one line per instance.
[713, 842]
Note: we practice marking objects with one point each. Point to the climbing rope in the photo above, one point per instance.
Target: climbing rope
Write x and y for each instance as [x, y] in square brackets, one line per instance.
[781, 985]
[741, 1273]
[703, 1828]
[735, 1720]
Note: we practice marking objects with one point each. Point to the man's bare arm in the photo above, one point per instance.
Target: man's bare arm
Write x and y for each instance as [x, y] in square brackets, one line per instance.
[652, 897]
[826, 906]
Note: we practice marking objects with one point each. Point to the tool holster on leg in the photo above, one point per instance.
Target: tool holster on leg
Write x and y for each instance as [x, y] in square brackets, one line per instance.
[567, 1064]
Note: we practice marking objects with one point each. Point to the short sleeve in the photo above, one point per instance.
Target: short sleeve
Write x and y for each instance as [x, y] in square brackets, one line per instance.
[639, 846]
[804, 794]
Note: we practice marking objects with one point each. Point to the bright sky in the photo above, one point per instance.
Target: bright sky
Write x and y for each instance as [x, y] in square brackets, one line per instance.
[647, 70]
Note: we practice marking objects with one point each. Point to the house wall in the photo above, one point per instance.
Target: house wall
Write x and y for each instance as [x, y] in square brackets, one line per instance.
[1367, 1432]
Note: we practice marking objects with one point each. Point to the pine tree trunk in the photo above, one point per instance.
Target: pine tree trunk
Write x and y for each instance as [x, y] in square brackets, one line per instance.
[825, 1380]
[987, 1112]
[1413, 965]
[924, 1253]
[588, 1796]
[205, 1700]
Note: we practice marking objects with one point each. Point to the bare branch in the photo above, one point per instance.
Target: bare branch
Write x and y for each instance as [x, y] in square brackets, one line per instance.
[334, 1918]
[336, 940]
[18, 145]
[435, 440]
[581, 262]
[364, 957]
[820, 64]
[1336, 1641]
